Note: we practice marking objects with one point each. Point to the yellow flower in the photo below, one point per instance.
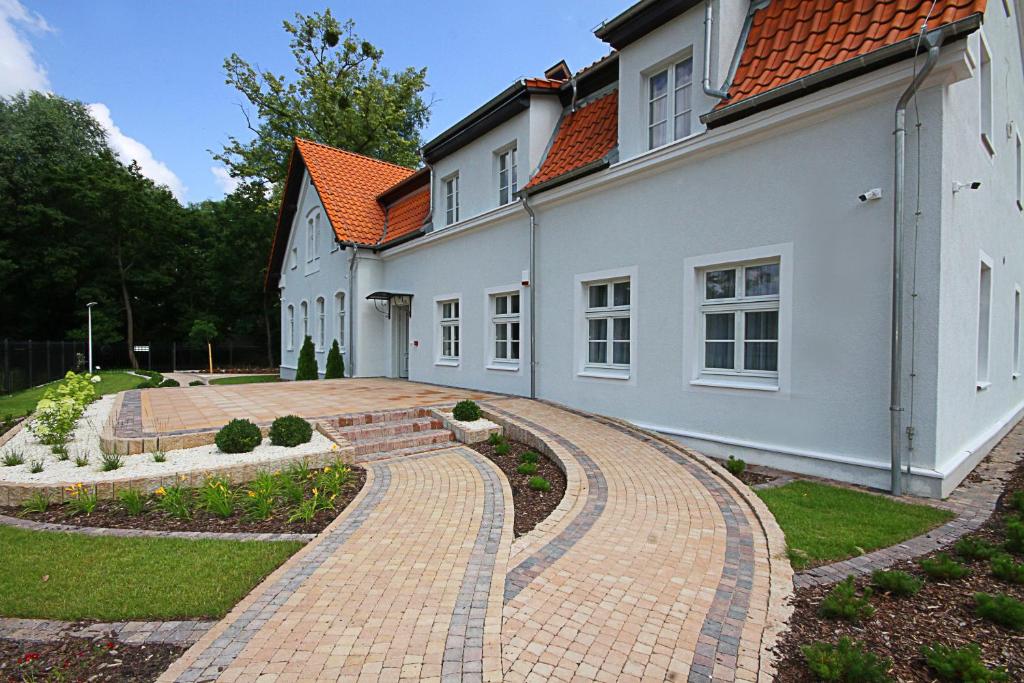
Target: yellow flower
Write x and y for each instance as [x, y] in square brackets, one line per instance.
[161, 491]
[315, 493]
[252, 494]
[327, 468]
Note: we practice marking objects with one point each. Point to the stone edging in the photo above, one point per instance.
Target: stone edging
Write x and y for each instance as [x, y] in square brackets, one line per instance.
[10, 433]
[31, 525]
[182, 633]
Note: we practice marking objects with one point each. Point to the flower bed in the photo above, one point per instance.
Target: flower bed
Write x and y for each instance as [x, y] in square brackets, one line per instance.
[78, 659]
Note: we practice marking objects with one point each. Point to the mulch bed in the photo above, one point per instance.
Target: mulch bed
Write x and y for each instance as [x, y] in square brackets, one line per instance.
[531, 507]
[755, 478]
[111, 515]
[80, 659]
[942, 612]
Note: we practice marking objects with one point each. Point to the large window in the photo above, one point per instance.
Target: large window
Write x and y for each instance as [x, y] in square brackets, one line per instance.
[505, 323]
[608, 323]
[291, 327]
[339, 306]
[984, 321]
[670, 104]
[508, 177]
[320, 324]
[304, 307]
[986, 98]
[313, 235]
[451, 200]
[450, 330]
[1020, 175]
[1016, 332]
[740, 320]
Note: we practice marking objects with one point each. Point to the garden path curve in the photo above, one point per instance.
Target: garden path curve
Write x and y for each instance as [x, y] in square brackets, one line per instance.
[654, 567]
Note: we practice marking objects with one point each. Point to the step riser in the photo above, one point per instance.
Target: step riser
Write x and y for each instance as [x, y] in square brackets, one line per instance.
[400, 443]
[401, 453]
[382, 430]
[376, 418]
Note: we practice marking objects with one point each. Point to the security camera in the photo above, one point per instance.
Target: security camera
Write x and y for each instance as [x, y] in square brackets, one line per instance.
[957, 186]
[871, 195]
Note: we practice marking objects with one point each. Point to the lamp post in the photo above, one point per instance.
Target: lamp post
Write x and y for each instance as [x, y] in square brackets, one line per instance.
[88, 307]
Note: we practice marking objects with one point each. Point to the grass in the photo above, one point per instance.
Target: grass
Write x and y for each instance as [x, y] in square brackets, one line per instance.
[249, 379]
[65, 576]
[826, 523]
[23, 402]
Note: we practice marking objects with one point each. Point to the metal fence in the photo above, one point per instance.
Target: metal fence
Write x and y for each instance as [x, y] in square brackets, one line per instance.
[28, 363]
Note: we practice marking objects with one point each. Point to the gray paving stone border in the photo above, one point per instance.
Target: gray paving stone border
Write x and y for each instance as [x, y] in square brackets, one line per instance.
[32, 525]
[182, 633]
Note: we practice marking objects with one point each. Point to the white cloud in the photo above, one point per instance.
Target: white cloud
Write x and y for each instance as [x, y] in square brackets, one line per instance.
[18, 67]
[223, 178]
[129, 149]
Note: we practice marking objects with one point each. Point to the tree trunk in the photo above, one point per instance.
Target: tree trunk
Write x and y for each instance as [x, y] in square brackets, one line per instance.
[129, 317]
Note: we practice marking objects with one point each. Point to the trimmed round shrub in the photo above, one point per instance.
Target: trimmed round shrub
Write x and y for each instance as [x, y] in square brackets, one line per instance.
[527, 468]
[529, 456]
[290, 430]
[169, 383]
[466, 411]
[238, 436]
[148, 384]
[196, 383]
[539, 484]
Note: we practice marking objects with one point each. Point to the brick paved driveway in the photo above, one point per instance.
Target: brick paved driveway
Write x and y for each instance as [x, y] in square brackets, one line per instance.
[654, 567]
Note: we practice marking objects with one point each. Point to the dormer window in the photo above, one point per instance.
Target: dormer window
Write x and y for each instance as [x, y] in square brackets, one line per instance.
[508, 178]
[451, 199]
[670, 104]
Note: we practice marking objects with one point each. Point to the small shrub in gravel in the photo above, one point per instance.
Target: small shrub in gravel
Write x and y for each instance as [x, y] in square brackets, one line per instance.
[529, 456]
[1000, 609]
[37, 502]
[843, 602]
[466, 411]
[169, 383]
[540, 484]
[527, 468]
[735, 466]
[238, 436]
[13, 458]
[502, 448]
[846, 662]
[132, 501]
[1015, 536]
[159, 456]
[900, 584]
[1004, 567]
[290, 430]
[35, 467]
[942, 567]
[494, 438]
[196, 383]
[973, 548]
[960, 664]
[81, 460]
[110, 462]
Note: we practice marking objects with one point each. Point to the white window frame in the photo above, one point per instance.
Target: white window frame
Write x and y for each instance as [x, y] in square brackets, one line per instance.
[986, 102]
[984, 345]
[304, 309]
[451, 199]
[291, 327]
[672, 114]
[321, 324]
[508, 186]
[1020, 171]
[494, 319]
[584, 314]
[1016, 330]
[451, 322]
[339, 304]
[695, 377]
[295, 257]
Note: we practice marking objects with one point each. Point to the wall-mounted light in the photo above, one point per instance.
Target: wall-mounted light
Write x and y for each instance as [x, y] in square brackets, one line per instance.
[957, 186]
[870, 195]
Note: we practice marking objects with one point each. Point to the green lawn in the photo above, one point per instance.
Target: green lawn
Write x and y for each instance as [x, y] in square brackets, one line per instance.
[826, 523]
[250, 379]
[112, 579]
[24, 402]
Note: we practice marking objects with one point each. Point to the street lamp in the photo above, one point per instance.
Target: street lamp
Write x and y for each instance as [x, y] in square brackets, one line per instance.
[88, 307]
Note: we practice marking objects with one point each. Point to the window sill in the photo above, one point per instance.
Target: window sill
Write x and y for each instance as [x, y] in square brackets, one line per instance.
[987, 142]
[982, 386]
[755, 384]
[448, 362]
[503, 367]
[604, 373]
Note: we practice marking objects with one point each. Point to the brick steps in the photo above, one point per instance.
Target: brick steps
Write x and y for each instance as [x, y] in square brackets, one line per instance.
[379, 435]
[379, 430]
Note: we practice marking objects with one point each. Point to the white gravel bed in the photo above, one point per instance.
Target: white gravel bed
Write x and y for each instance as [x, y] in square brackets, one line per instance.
[86, 441]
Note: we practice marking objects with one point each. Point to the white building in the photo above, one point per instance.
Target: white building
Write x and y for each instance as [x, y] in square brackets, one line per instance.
[626, 241]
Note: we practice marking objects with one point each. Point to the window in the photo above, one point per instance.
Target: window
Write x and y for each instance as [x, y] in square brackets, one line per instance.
[670, 104]
[986, 99]
[320, 326]
[291, 327]
[339, 306]
[450, 330]
[508, 177]
[305, 321]
[295, 257]
[505, 322]
[740, 320]
[608, 322]
[451, 200]
[984, 321]
[1016, 332]
[1020, 175]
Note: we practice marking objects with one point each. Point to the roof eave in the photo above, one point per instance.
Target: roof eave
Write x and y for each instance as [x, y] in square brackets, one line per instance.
[640, 19]
[568, 176]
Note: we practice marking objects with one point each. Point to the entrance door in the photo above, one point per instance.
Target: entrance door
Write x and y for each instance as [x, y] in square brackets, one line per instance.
[401, 316]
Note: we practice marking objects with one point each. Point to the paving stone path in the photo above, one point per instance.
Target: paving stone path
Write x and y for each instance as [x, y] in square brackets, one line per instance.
[655, 567]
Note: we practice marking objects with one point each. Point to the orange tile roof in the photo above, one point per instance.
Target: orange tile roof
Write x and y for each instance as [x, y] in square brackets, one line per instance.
[790, 39]
[407, 214]
[348, 185]
[584, 136]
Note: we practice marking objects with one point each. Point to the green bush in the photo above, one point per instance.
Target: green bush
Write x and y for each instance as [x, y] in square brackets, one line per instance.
[148, 384]
[132, 500]
[1015, 536]
[290, 430]
[960, 664]
[111, 461]
[942, 567]
[527, 468]
[494, 438]
[539, 484]
[169, 383]
[335, 368]
[1016, 501]
[307, 368]
[35, 466]
[900, 584]
[502, 448]
[466, 411]
[973, 548]
[1004, 567]
[843, 602]
[845, 662]
[735, 466]
[196, 383]
[37, 502]
[529, 456]
[13, 458]
[1000, 609]
[238, 436]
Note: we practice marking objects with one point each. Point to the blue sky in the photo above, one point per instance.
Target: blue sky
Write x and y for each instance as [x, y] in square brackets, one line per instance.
[154, 70]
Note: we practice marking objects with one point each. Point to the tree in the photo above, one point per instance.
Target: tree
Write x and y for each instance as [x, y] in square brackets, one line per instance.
[307, 362]
[341, 96]
[335, 367]
[204, 331]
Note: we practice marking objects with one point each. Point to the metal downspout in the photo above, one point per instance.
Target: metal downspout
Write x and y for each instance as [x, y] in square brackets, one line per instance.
[533, 296]
[352, 312]
[709, 21]
[934, 42]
